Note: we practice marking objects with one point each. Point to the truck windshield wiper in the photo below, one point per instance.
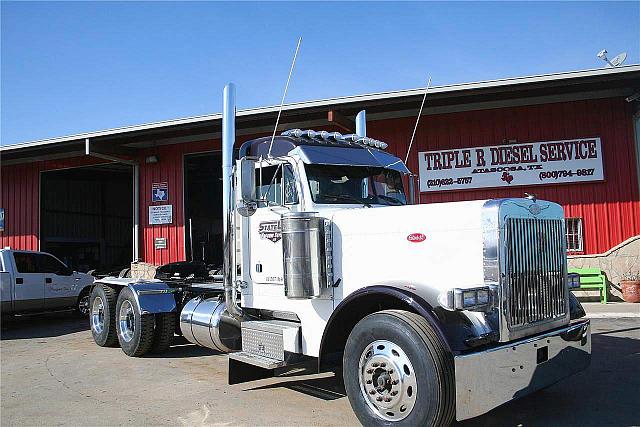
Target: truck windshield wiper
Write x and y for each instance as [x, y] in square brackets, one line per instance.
[346, 197]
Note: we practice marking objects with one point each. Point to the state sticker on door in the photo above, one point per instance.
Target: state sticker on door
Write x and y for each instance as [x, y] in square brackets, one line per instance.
[270, 230]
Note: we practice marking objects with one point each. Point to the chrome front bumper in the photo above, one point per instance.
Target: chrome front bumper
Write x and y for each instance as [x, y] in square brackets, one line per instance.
[487, 379]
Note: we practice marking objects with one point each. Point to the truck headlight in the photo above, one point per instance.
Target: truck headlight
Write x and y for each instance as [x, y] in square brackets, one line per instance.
[483, 298]
[573, 280]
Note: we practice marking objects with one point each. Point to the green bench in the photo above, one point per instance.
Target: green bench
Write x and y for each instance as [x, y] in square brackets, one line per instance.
[592, 278]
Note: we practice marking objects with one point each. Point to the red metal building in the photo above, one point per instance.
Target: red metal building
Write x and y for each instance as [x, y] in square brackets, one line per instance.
[567, 106]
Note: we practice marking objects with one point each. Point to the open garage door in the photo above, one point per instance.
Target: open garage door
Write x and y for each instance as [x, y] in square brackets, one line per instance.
[203, 207]
[86, 216]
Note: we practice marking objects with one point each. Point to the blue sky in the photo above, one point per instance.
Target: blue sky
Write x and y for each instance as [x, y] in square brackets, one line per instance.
[75, 67]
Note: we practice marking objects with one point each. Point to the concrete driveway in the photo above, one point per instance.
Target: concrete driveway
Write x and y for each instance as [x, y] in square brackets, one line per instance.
[53, 374]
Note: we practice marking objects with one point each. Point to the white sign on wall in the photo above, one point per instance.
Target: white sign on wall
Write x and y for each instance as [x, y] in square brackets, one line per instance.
[160, 214]
[551, 162]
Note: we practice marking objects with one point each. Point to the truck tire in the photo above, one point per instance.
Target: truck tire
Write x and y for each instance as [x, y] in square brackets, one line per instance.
[163, 332]
[135, 330]
[397, 371]
[102, 317]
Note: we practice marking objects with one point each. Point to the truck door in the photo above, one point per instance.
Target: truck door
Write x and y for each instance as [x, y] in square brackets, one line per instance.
[277, 196]
[28, 283]
[60, 287]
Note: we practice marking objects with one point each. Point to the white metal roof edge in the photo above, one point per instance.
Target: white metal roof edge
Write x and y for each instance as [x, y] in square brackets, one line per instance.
[511, 81]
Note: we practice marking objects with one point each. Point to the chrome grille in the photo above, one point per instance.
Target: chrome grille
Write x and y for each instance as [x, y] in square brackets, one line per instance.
[535, 271]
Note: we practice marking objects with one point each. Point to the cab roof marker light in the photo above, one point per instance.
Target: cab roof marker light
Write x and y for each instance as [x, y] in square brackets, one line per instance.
[293, 132]
[310, 133]
[337, 136]
[352, 137]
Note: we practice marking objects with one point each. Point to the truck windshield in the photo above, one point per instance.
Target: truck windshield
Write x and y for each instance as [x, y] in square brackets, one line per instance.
[332, 184]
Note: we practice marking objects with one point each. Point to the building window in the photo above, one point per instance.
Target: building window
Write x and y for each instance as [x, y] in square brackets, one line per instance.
[575, 241]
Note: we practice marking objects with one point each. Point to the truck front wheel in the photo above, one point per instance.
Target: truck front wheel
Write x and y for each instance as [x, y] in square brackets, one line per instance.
[135, 330]
[102, 312]
[397, 371]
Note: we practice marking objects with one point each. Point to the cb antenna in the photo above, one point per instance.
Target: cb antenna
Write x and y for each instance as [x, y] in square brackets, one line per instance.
[284, 95]
[415, 128]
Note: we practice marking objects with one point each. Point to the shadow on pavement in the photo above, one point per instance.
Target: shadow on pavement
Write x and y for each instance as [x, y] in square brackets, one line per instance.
[325, 388]
[181, 348]
[42, 325]
[606, 393]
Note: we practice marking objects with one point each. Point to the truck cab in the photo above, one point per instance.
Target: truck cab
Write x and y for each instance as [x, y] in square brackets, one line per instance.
[38, 281]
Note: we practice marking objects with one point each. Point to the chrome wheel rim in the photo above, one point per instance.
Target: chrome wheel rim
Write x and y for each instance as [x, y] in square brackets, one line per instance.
[97, 315]
[126, 321]
[387, 380]
[83, 305]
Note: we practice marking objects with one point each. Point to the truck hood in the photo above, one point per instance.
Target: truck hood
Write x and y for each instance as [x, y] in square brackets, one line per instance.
[424, 248]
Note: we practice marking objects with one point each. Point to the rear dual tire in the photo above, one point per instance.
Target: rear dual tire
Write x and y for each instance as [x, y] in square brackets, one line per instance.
[135, 330]
[102, 315]
[117, 319]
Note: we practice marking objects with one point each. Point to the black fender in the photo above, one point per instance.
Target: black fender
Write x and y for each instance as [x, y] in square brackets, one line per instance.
[576, 311]
[369, 300]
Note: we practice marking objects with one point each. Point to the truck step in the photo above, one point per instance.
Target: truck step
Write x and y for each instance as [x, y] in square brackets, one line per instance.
[271, 338]
[257, 360]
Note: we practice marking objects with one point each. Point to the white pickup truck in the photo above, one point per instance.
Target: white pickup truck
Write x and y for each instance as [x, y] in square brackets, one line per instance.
[38, 281]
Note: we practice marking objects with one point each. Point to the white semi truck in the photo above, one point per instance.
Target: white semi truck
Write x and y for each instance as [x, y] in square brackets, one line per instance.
[428, 312]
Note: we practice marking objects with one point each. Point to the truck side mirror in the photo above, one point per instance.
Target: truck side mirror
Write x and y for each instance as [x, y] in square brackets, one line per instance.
[248, 204]
[248, 180]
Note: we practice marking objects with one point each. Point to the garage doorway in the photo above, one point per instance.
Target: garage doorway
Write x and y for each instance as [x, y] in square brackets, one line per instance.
[86, 216]
[203, 207]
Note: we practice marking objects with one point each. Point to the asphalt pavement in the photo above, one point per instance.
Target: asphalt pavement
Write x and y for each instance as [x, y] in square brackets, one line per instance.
[53, 374]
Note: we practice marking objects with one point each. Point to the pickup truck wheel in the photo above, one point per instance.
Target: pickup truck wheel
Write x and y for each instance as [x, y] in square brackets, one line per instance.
[102, 315]
[163, 332]
[83, 305]
[397, 371]
[135, 330]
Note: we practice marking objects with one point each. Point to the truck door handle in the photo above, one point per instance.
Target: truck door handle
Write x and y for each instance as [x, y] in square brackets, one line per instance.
[19, 280]
[47, 280]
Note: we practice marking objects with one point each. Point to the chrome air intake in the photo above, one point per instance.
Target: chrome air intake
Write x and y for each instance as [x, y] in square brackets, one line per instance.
[306, 244]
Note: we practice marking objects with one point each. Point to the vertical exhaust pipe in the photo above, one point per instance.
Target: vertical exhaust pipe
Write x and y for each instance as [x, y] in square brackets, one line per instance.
[228, 199]
[361, 123]
[210, 322]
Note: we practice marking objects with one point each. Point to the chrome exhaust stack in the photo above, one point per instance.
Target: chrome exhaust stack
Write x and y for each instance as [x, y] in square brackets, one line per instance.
[228, 199]
[215, 322]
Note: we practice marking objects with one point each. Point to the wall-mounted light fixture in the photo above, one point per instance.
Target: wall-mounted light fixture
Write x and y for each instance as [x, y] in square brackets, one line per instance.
[151, 159]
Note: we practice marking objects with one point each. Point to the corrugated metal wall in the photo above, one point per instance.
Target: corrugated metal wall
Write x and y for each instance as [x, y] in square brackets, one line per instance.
[610, 209]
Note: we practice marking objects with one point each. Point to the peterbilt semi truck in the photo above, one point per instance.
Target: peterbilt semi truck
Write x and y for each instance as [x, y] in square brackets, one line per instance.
[427, 312]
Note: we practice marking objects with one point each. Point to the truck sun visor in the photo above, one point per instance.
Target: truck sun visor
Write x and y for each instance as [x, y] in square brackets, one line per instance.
[349, 156]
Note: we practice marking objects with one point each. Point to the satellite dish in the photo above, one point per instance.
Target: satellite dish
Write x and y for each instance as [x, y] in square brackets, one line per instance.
[619, 59]
[615, 62]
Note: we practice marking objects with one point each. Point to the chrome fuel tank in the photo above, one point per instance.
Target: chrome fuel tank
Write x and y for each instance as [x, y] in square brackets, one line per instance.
[205, 322]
